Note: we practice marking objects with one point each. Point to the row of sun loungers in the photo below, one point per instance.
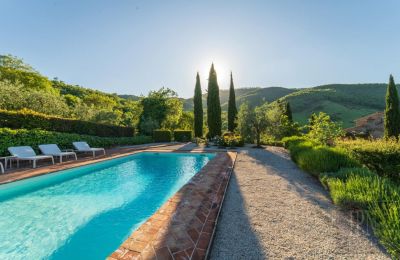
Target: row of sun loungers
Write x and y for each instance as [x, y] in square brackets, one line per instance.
[49, 151]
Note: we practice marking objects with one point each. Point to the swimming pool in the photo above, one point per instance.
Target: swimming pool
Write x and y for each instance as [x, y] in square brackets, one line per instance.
[87, 212]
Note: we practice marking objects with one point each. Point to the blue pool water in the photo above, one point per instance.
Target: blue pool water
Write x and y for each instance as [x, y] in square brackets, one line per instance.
[87, 212]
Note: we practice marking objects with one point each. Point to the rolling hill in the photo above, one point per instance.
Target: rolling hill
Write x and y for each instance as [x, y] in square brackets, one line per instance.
[343, 102]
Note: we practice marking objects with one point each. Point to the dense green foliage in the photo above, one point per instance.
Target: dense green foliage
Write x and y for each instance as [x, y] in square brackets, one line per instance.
[323, 130]
[381, 156]
[198, 109]
[230, 139]
[161, 108]
[35, 137]
[392, 111]
[182, 135]
[32, 120]
[232, 110]
[378, 198]
[265, 124]
[162, 136]
[214, 121]
[315, 158]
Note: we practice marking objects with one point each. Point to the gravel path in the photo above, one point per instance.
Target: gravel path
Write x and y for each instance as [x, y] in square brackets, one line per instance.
[273, 210]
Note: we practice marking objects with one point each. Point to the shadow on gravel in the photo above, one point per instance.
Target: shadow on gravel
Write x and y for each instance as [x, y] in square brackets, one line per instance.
[234, 237]
[309, 188]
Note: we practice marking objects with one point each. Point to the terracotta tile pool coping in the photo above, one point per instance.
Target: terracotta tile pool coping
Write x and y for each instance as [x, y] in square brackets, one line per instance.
[184, 226]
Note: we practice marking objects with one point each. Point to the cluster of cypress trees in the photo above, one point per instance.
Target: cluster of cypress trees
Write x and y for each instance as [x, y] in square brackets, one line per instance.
[392, 111]
[214, 120]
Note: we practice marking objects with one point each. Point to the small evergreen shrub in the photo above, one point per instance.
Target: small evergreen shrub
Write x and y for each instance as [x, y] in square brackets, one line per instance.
[182, 135]
[162, 136]
[35, 137]
[27, 119]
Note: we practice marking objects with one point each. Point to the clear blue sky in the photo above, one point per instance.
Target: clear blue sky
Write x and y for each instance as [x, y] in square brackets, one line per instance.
[131, 47]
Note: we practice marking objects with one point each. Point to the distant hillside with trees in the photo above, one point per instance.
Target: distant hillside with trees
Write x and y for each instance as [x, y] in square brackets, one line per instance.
[343, 102]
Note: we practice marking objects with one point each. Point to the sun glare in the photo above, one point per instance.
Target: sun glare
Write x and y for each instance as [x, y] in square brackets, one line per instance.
[222, 68]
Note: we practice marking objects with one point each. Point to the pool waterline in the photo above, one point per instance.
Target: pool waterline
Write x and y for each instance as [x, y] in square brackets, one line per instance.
[82, 208]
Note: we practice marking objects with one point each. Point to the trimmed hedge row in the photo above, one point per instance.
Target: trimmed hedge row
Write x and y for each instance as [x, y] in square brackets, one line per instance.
[381, 156]
[316, 159]
[32, 120]
[9, 137]
[162, 136]
[182, 135]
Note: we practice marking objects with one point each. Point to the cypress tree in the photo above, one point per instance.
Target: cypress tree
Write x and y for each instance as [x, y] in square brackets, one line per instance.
[198, 109]
[288, 111]
[213, 105]
[232, 110]
[392, 111]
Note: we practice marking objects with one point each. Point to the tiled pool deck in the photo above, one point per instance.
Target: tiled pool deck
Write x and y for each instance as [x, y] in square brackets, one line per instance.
[183, 227]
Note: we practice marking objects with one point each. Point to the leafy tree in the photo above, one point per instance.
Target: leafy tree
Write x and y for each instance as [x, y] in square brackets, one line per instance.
[279, 124]
[244, 123]
[198, 109]
[15, 63]
[392, 113]
[186, 121]
[109, 117]
[155, 110]
[253, 123]
[232, 110]
[174, 108]
[323, 130]
[213, 105]
[259, 122]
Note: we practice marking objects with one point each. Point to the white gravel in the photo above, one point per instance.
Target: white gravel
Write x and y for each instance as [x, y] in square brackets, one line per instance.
[273, 210]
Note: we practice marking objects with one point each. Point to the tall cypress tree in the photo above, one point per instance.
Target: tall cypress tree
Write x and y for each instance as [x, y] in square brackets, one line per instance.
[288, 111]
[232, 110]
[198, 109]
[213, 105]
[392, 111]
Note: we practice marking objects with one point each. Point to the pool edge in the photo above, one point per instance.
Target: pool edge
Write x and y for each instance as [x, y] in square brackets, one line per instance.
[184, 226]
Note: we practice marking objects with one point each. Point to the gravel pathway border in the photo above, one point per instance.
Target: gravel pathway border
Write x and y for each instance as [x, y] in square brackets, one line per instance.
[273, 210]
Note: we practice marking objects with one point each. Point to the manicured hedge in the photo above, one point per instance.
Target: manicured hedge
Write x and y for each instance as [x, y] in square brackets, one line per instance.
[381, 156]
[317, 159]
[162, 136]
[9, 137]
[182, 135]
[32, 120]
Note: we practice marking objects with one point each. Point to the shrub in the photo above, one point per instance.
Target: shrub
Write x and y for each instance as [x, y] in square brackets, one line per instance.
[182, 135]
[316, 159]
[162, 136]
[377, 196]
[32, 120]
[381, 156]
[9, 137]
[230, 139]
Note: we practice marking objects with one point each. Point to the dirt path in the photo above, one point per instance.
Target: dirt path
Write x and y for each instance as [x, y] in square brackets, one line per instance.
[274, 210]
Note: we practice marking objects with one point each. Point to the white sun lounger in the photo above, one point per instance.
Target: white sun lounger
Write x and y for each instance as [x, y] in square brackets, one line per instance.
[54, 150]
[84, 147]
[26, 153]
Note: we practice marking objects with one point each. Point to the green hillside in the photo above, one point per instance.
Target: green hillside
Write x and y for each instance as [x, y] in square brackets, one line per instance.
[343, 102]
[256, 96]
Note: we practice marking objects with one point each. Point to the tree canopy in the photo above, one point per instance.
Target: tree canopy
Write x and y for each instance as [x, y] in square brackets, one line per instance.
[214, 121]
